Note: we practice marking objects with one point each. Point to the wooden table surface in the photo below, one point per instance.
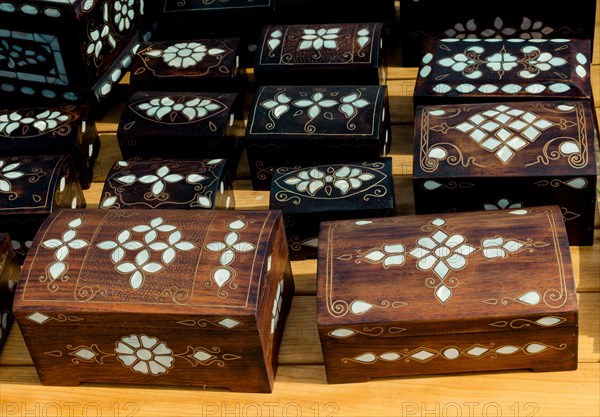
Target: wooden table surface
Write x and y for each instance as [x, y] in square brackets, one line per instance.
[301, 388]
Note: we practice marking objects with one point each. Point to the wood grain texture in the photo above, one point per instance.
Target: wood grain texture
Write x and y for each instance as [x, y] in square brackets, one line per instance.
[301, 380]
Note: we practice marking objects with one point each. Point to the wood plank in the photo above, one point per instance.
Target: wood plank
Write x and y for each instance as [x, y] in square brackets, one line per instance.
[301, 343]
[304, 391]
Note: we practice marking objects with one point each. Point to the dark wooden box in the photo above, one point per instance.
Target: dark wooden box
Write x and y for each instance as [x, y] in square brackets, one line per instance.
[454, 71]
[159, 297]
[508, 155]
[9, 275]
[310, 195]
[244, 19]
[312, 125]
[73, 50]
[66, 129]
[434, 294]
[194, 125]
[31, 188]
[189, 65]
[168, 184]
[465, 19]
[322, 54]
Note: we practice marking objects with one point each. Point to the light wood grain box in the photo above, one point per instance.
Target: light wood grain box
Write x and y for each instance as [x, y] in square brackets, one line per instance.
[508, 155]
[454, 71]
[161, 297]
[460, 292]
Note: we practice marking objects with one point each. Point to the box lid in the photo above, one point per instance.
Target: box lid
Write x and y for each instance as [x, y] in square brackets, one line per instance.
[333, 113]
[171, 6]
[150, 261]
[336, 46]
[163, 184]
[351, 187]
[185, 60]
[178, 114]
[512, 139]
[33, 184]
[495, 68]
[456, 272]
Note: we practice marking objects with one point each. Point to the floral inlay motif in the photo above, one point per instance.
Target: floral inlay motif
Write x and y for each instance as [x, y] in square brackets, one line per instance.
[146, 249]
[124, 14]
[502, 204]
[278, 105]
[8, 172]
[62, 247]
[319, 38]
[191, 109]
[231, 245]
[315, 104]
[42, 122]
[101, 36]
[143, 354]
[158, 181]
[344, 179]
[184, 54]
[528, 29]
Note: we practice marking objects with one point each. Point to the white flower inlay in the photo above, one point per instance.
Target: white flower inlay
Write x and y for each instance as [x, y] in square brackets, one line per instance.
[278, 105]
[319, 38]
[528, 29]
[344, 179]
[143, 354]
[196, 108]
[388, 255]
[160, 180]
[62, 248]
[124, 14]
[100, 36]
[11, 122]
[184, 54]
[351, 103]
[502, 204]
[501, 62]
[498, 248]
[314, 105]
[7, 173]
[142, 263]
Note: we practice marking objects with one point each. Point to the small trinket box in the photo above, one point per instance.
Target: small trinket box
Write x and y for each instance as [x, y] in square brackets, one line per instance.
[160, 297]
[440, 19]
[312, 125]
[168, 184]
[455, 71]
[9, 275]
[51, 131]
[190, 65]
[31, 188]
[508, 155]
[310, 195]
[193, 125]
[459, 292]
[322, 54]
[74, 50]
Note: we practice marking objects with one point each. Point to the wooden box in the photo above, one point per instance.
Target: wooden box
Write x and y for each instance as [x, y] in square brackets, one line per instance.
[322, 54]
[438, 19]
[168, 184]
[194, 125]
[456, 71]
[66, 129]
[312, 125]
[31, 188]
[190, 65]
[335, 11]
[9, 274]
[310, 195]
[160, 297]
[508, 155]
[73, 50]
[459, 292]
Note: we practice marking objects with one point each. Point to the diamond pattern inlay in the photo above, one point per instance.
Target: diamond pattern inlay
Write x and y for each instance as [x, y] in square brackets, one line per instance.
[503, 130]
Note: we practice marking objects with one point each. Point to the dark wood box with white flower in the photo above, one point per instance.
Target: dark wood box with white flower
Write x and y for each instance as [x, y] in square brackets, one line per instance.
[9, 275]
[73, 50]
[190, 65]
[66, 129]
[454, 71]
[168, 184]
[458, 292]
[194, 125]
[310, 195]
[509, 155]
[439, 19]
[326, 54]
[159, 297]
[313, 125]
[31, 188]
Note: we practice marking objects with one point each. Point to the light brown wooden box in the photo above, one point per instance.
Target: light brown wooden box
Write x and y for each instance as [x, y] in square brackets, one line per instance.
[461, 292]
[168, 297]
